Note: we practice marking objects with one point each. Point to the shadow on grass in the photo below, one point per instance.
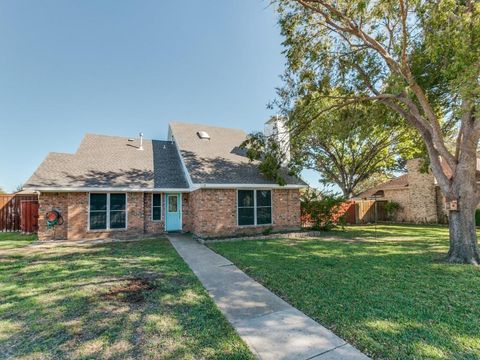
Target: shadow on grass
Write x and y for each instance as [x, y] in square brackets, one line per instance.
[54, 304]
[394, 299]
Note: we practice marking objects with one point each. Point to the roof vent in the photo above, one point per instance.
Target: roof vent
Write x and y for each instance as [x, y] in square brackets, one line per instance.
[203, 135]
[141, 141]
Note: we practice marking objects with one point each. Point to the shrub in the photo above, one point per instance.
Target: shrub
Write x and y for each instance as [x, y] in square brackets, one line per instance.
[391, 207]
[319, 210]
[477, 217]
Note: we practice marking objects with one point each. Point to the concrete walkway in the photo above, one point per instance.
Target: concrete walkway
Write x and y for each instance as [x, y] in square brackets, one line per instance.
[272, 328]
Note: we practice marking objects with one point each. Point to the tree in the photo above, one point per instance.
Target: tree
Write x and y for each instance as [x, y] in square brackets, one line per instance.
[348, 146]
[2, 191]
[342, 145]
[419, 58]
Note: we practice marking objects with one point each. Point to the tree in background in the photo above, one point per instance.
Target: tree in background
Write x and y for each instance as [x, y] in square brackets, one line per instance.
[348, 146]
[2, 191]
[420, 59]
[342, 145]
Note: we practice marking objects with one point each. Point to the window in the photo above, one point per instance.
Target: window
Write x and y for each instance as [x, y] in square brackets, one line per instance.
[108, 211]
[118, 211]
[98, 211]
[264, 207]
[254, 207]
[172, 203]
[246, 207]
[156, 207]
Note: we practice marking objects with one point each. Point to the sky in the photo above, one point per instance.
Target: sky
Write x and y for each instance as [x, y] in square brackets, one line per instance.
[122, 67]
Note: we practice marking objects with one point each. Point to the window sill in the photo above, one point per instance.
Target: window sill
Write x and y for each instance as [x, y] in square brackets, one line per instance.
[105, 230]
[254, 226]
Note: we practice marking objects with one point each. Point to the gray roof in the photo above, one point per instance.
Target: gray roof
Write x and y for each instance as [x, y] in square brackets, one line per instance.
[110, 161]
[219, 160]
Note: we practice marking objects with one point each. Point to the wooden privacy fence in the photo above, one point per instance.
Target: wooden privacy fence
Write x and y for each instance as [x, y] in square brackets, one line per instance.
[19, 212]
[366, 211]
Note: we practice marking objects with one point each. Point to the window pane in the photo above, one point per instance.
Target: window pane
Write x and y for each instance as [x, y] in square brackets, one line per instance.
[98, 220]
[172, 203]
[246, 216]
[245, 198]
[117, 201]
[156, 199]
[156, 213]
[264, 215]
[117, 219]
[264, 198]
[98, 201]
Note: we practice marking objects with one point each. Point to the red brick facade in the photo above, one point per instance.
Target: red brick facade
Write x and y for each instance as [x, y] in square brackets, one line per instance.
[205, 212]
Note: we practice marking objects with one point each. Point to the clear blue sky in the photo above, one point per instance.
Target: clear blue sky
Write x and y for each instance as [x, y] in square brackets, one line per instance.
[121, 67]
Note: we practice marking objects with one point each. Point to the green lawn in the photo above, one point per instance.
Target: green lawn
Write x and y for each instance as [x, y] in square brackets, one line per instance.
[119, 300]
[392, 296]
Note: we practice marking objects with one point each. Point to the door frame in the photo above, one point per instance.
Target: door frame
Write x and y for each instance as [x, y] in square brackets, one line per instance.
[179, 208]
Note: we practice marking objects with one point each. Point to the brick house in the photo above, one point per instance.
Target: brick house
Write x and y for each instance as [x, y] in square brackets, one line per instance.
[197, 181]
[417, 193]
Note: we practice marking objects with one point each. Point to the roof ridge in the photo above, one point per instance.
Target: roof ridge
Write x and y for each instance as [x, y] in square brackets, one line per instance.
[209, 125]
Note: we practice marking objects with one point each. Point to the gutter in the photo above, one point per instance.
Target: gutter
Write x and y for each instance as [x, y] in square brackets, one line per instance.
[163, 190]
[104, 189]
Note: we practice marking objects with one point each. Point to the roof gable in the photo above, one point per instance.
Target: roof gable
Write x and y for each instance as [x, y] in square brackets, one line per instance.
[219, 160]
[112, 162]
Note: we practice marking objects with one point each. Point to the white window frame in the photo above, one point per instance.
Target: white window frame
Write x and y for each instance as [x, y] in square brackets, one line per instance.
[108, 212]
[255, 207]
[161, 207]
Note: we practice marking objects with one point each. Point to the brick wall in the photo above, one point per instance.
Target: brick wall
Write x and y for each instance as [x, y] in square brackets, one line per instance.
[187, 215]
[423, 197]
[402, 197]
[421, 201]
[151, 226]
[48, 202]
[205, 212]
[214, 212]
[74, 210]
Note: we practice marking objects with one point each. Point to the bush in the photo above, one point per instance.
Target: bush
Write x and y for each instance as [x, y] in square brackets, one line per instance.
[391, 207]
[477, 217]
[319, 210]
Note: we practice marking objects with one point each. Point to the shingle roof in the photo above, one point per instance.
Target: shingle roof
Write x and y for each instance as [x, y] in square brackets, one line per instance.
[219, 160]
[395, 183]
[110, 161]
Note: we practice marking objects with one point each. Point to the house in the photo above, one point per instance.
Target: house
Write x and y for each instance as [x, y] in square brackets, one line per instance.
[198, 180]
[417, 193]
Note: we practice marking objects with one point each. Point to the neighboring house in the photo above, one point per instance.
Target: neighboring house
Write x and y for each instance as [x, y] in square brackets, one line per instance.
[417, 193]
[198, 181]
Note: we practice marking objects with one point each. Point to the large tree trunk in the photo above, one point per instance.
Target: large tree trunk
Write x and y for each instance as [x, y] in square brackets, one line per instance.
[463, 236]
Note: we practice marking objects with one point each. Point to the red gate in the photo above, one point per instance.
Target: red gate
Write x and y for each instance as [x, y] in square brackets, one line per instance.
[29, 216]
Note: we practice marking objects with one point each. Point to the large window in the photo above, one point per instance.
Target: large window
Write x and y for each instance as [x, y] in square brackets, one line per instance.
[156, 207]
[254, 207]
[108, 211]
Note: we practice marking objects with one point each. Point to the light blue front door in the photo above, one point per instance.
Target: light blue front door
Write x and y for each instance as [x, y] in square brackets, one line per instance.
[174, 213]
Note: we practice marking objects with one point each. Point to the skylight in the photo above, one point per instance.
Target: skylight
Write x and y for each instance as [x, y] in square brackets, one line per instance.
[203, 135]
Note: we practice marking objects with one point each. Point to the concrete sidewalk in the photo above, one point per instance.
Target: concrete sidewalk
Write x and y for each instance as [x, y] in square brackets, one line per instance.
[272, 328]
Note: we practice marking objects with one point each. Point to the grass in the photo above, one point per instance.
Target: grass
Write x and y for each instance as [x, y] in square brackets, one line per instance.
[392, 295]
[15, 240]
[125, 300]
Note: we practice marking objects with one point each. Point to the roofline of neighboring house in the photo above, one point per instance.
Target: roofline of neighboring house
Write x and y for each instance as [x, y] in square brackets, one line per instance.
[192, 188]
